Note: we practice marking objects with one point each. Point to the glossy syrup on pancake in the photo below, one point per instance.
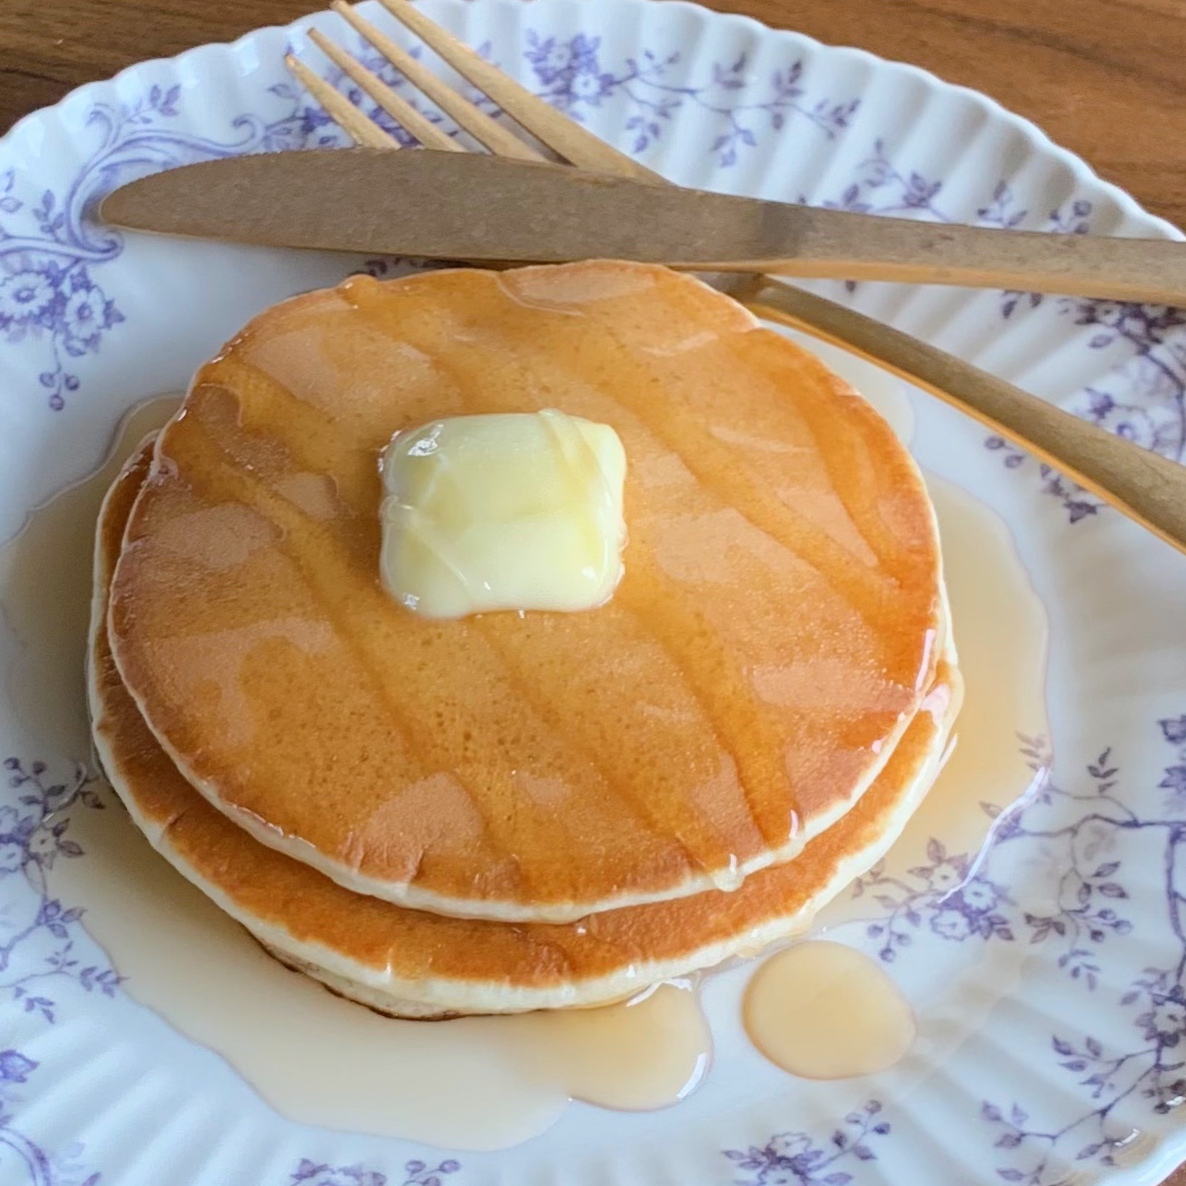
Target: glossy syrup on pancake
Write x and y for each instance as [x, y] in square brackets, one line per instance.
[773, 636]
[149, 919]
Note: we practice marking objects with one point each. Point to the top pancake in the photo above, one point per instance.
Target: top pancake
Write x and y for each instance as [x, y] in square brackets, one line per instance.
[773, 636]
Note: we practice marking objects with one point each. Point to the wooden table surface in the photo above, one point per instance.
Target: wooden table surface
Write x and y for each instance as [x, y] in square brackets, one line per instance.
[1104, 78]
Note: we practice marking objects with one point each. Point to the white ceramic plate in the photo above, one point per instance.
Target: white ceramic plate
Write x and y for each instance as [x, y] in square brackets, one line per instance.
[1048, 977]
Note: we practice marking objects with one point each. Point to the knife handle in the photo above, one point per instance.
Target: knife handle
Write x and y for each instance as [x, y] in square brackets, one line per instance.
[838, 245]
[1142, 485]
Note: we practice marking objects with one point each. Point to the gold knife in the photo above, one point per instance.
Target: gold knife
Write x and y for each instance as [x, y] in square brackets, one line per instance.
[484, 208]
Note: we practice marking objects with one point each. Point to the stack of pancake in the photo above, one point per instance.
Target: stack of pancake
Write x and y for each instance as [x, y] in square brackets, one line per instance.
[519, 811]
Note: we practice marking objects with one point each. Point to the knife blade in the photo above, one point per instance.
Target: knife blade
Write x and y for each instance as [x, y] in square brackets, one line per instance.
[480, 208]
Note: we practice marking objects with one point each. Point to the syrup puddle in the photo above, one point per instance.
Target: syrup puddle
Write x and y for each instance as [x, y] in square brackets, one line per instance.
[483, 1083]
[858, 1023]
[45, 596]
[472, 1083]
[1001, 632]
[1002, 654]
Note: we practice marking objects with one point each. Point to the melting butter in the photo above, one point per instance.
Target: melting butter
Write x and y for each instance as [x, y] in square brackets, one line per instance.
[822, 1010]
[517, 511]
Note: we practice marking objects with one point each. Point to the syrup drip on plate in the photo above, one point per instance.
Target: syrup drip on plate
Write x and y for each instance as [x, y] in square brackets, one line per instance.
[822, 1010]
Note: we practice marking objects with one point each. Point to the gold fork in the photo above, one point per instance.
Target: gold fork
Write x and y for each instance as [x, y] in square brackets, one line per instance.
[1147, 488]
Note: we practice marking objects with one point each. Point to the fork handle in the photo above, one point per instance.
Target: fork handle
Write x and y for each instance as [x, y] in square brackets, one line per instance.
[1144, 486]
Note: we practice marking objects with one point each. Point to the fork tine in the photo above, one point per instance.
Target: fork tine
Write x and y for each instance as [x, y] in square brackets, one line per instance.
[464, 114]
[352, 121]
[395, 105]
[555, 129]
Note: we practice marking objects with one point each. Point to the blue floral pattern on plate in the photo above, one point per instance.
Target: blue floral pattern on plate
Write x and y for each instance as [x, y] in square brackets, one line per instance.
[1143, 395]
[39, 1167]
[37, 943]
[798, 1159]
[959, 903]
[50, 247]
[572, 76]
[415, 1173]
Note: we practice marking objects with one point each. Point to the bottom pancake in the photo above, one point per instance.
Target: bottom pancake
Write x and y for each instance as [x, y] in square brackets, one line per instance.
[418, 965]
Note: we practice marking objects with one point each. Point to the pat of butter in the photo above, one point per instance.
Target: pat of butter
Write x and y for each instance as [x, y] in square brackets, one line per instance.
[521, 511]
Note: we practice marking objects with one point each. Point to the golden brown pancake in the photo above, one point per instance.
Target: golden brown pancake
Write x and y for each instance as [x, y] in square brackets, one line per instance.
[777, 627]
[416, 964]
